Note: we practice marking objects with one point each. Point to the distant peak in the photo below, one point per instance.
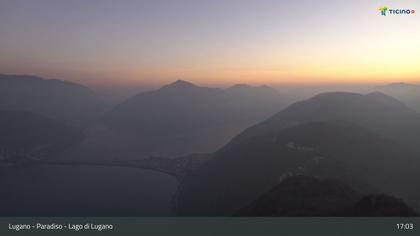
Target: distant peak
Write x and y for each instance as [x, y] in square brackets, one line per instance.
[400, 84]
[180, 84]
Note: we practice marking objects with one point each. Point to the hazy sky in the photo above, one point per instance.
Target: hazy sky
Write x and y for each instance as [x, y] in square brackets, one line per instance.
[210, 42]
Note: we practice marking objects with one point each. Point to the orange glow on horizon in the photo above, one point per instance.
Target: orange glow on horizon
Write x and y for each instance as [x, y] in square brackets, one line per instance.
[297, 46]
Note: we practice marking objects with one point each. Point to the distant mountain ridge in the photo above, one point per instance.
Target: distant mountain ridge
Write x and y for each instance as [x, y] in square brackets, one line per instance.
[181, 118]
[63, 101]
[407, 93]
[376, 111]
[400, 85]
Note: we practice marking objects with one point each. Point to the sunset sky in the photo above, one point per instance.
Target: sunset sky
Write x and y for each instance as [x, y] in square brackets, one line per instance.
[151, 42]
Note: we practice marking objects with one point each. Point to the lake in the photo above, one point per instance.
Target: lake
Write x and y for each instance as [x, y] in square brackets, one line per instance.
[85, 191]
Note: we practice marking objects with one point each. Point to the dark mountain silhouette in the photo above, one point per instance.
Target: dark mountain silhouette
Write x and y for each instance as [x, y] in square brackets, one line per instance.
[31, 132]
[303, 196]
[65, 102]
[350, 137]
[309, 196]
[407, 93]
[379, 205]
[181, 118]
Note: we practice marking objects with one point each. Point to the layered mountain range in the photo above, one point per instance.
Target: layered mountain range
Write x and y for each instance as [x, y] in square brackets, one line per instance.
[66, 102]
[337, 153]
[181, 118]
[367, 141]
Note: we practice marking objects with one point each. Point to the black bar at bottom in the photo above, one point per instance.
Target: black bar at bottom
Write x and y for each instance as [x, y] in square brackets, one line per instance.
[203, 226]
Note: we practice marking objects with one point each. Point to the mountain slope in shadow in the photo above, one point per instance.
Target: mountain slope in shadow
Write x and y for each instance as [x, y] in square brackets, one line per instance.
[309, 196]
[31, 132]
[66, 102]
[376, 111]
[323, 136]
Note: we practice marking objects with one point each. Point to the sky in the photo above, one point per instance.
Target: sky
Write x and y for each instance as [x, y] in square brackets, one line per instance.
[213, 42]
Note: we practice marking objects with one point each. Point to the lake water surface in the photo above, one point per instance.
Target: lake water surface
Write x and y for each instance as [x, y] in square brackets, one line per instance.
[85, 191]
